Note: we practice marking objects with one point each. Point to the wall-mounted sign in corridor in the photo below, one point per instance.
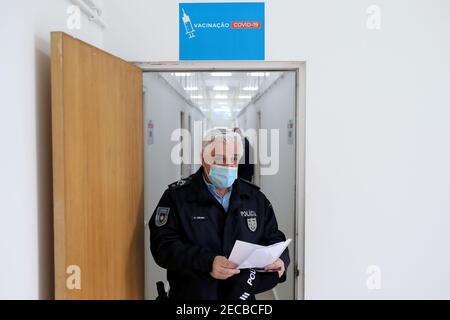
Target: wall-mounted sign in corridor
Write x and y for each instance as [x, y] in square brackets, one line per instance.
[222, 31]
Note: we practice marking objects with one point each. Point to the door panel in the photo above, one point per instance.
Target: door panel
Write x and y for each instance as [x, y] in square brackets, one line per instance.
[98, 173]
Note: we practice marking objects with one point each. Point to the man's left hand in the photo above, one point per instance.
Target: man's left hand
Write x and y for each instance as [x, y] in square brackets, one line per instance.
[278, 265]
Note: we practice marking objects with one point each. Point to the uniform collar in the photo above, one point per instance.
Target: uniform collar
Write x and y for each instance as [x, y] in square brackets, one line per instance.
[212, 188]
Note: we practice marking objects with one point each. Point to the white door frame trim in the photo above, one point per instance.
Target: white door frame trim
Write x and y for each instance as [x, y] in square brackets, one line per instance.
[299, 67]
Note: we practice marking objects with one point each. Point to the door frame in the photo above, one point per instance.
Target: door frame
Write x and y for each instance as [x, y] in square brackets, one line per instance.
[299, 67]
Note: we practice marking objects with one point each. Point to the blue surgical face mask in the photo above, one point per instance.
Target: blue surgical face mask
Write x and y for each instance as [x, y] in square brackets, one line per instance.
[222, 177]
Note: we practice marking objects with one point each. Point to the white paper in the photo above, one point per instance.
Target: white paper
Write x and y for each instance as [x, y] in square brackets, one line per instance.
[249, 255]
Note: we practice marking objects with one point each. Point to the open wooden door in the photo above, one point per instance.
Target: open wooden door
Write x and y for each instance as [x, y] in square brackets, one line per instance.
[98, 173]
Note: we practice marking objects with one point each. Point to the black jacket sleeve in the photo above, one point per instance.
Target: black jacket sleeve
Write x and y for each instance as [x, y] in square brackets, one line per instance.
[168, 248]
[249, 282]
[273, 235]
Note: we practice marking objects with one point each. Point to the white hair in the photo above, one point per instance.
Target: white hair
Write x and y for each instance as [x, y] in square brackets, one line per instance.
[225, 134]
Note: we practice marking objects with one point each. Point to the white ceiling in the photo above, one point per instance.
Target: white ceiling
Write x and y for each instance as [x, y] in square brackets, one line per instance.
[221, 95]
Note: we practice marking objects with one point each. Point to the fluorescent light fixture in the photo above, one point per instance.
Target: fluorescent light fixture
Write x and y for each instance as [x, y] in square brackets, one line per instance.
[191, 88]
[244, 97]
[259, 74]
[223, 112]
[181, 74]
[220, 96]
[221, 88]
[250, 88]
[196, 97]
[222, 109]
[223, 103]
[236, 110]
[221, 74]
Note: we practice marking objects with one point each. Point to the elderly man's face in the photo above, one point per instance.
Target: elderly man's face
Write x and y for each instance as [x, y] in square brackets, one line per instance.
[222, 153]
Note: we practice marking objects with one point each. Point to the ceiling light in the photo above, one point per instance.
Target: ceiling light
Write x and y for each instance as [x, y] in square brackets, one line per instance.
[221, 88]
[181, 74]
[220, 96]
[196, 97]
[250, 88]
[259, 74]
[191, 88]
[244, 97]
[221, 109]
[221, 74]
[224, 113]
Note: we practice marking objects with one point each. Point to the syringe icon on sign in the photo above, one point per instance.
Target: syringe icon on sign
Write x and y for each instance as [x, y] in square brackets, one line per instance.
[188, 25]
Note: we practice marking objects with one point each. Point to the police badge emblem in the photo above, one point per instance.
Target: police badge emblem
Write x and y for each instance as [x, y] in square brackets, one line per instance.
[162, 215]
[252, 224]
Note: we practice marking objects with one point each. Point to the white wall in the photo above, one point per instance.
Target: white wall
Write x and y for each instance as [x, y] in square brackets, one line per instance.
[163, 106]
[277, 107]
[26, 243]
[377, 149]
[377, 173]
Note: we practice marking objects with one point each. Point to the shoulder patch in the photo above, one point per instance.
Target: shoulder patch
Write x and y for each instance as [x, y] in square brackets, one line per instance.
[249, 183]
[162, 215]
[180, 183]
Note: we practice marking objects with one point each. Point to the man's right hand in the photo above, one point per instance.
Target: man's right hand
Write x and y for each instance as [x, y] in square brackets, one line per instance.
[223, 269]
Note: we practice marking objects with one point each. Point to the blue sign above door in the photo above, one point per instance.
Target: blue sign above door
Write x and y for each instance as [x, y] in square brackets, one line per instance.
[222, 31]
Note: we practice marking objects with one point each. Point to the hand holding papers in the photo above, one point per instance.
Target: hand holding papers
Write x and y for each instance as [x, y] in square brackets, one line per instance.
[248, 255]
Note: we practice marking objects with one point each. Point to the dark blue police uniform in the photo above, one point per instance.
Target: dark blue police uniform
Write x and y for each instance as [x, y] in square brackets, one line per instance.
[189, 228]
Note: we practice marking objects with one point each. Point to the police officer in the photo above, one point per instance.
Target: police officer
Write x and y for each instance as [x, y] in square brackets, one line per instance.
[198, 220]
